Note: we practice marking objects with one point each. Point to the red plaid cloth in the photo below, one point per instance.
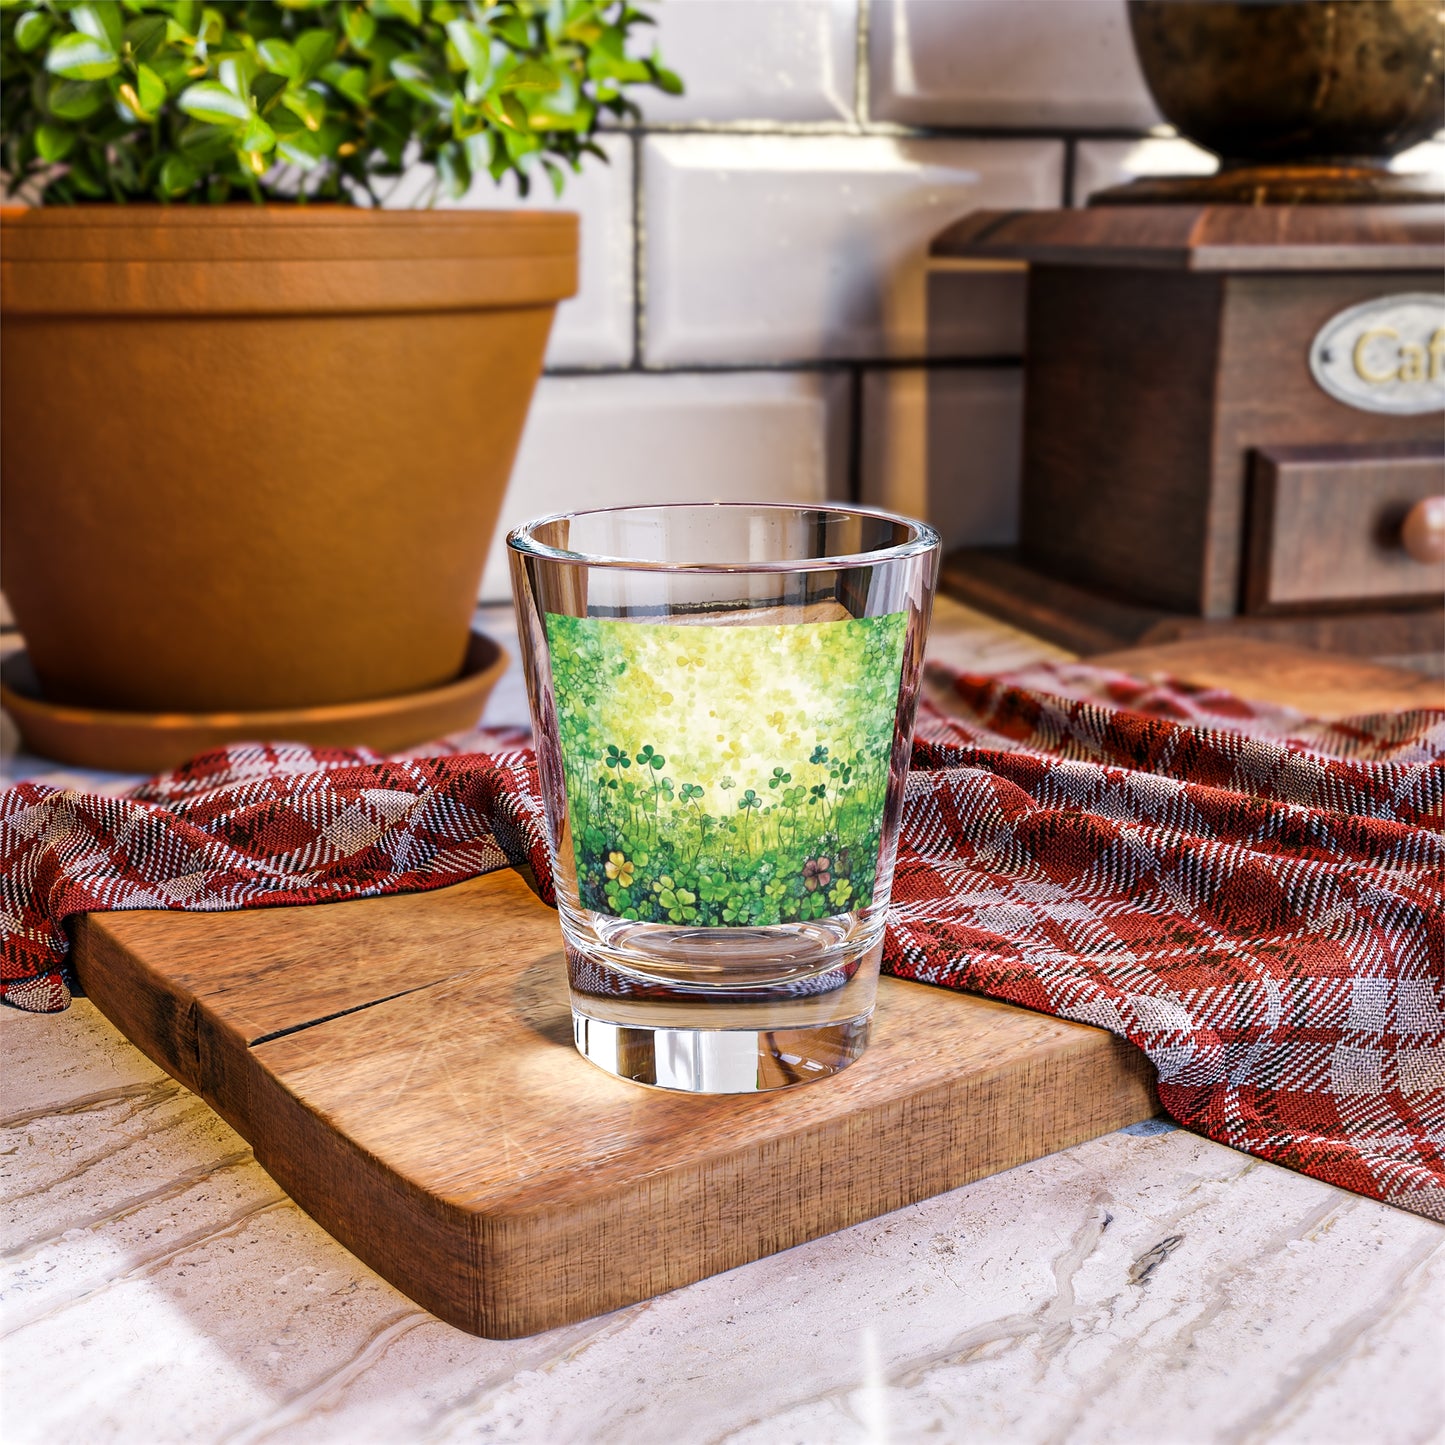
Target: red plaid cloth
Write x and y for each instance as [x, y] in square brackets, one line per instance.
[1252, 898]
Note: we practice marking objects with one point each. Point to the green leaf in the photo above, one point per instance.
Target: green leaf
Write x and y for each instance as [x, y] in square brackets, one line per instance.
[314, 48]
[53, 142]
[408, 10]
[102, 21]
[172, 69]
[514, 87]
[187, 14]
[265, 89]
[177, 175]
[414, 78]
[531, 75]
[466, 120]
[232, 74]
[479, 151]
[360, 27]
[513, 29]
[455, 173]
[150, 88]
[31, 28]
[301, 148]
[81, 178]
[145, 36]
[331, 137]
[204, 145]
[82, 57]
[208, 101]
[515, 112]
[258, 136]
[308, 107]
[75, 99]
[667, 81]
[279, 57]
[474, 46]
[562, 109]
[348, 80]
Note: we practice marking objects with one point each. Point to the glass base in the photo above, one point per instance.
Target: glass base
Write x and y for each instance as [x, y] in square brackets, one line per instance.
[720, 1061]
[724, 1011]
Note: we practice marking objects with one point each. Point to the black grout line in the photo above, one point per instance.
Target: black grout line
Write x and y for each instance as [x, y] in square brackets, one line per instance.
[639, 278]
[1071, 163]
[820, 363]
[855, 435]
[1064, 133]
[845, 129]
[861, 97]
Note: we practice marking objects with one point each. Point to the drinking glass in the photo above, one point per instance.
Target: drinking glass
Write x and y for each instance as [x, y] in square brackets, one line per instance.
[723, 699]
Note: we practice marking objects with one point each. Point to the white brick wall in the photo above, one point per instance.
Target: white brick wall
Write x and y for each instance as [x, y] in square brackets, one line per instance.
[757, 314]
[1036, 63]
[765, 236]
[594, 328]
[786, 248]
[758, 60]
[706, 436]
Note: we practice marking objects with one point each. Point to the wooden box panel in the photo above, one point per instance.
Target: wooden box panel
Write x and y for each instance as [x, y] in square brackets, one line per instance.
[1118, 403]
[1146, 391]
[1268, 398]
[1325, 525]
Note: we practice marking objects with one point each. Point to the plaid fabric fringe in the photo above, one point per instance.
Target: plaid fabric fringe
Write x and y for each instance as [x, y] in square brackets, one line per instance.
[1252, 897]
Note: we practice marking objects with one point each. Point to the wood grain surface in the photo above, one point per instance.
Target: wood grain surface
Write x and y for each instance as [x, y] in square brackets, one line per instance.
[1206, 238]
[1166, 345]
[1266, 397]
[1146, 394]
[1119, 417]
[403, 1067]
[1090, 620]
[1327, 521]
[1318, 683]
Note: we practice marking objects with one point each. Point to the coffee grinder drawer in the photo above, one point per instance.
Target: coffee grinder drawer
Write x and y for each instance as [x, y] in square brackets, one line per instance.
[1337, 526]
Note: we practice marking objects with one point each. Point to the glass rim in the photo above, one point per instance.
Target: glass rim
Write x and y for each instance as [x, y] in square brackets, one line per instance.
[924, 539]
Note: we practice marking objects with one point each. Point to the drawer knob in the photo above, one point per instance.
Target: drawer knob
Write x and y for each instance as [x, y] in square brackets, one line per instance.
[1423, 531]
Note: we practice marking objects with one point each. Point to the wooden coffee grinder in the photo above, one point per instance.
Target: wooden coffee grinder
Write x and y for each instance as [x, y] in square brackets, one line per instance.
[1234, 383]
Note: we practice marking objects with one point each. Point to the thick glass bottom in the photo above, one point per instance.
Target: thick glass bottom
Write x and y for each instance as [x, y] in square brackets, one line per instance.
[720, 1061]
[720, 1029]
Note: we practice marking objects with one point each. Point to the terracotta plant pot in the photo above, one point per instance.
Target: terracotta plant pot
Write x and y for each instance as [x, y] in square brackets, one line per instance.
[253, 456]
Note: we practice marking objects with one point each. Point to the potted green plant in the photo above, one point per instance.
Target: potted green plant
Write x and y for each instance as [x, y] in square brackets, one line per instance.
[257, 428]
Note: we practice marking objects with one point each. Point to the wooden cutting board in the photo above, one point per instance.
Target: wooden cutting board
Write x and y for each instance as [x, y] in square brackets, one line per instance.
[403, 1067]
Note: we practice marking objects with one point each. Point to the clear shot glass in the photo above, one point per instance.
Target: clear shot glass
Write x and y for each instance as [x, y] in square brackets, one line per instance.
[723, 699]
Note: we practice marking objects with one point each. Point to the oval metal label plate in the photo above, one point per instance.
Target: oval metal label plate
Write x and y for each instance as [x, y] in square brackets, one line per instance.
[1385, 355]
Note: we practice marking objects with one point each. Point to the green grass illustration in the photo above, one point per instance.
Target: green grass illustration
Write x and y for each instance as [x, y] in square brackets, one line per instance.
[726, 776]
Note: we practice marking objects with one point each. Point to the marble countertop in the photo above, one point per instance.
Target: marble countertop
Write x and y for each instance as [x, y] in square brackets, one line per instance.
[1148, 1286]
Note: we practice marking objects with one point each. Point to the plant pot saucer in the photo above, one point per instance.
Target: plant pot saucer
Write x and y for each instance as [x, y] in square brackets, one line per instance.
[142, 742]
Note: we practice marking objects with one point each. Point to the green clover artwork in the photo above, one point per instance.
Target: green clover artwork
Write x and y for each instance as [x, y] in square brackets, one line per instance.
[726, 776]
